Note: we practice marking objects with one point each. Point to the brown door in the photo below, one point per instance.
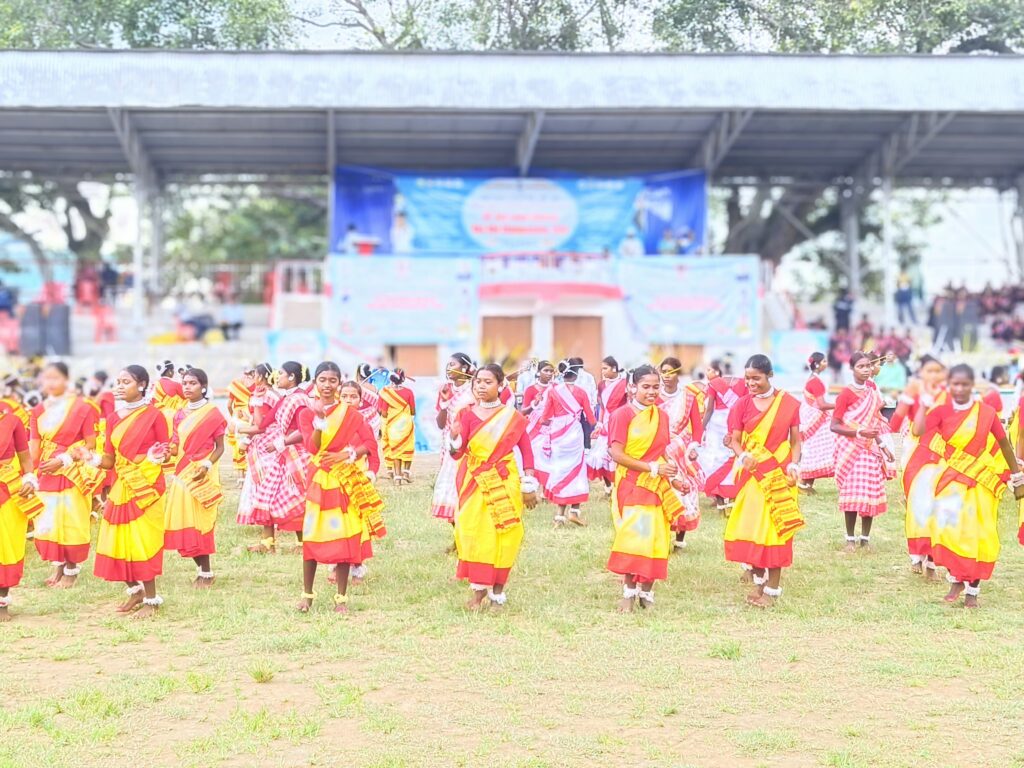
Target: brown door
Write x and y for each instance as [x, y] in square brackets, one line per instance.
[506, 340]
[579, 337]
[415, 359]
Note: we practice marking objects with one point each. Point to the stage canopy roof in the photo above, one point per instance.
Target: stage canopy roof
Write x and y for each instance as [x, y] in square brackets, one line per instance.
[170, 115]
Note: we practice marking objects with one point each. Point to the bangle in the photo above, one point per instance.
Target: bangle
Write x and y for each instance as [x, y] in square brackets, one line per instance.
[793, 467]
[65, 459]
[29, 478]
[278, 444]
[319, 424]
[654, 468]
[744, 456]
[206, 464]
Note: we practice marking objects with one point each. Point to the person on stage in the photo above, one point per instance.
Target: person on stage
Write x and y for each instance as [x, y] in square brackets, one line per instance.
[863, 463]
[819, 441]
[60, 425]
[398, 408]
[612, 394]
[130, 545]
[193, 490]
[954, 483]
[19, 503]
[491, 491]
[566, 412]
[343, 512]
[644, 503]
[764, 427]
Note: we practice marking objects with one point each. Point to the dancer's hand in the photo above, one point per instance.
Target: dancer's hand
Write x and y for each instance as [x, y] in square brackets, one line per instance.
[667, 469]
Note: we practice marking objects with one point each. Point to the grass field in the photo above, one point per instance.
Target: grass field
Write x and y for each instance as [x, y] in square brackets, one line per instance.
[860, 664]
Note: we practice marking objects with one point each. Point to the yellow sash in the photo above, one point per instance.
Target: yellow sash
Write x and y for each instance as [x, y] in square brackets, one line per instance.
[30, 505]
[643, 429]
[139, 478]
[978, 468]
[778, 495]
[85, 477]
[362, 495]
[482, 467]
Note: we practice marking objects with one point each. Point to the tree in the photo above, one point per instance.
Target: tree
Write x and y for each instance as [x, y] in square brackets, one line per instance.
[218, 224]
[85, 219]
[772, 220]
[514, 25]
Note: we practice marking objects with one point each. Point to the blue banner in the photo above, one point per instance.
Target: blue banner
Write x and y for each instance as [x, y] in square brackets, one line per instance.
[693, 301]
[401, 300]
[495, 211]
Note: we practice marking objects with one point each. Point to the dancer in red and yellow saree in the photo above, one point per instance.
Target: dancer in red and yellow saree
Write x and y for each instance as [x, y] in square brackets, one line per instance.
[18, 502]
[239, 415]
[343, 509]
[765, 430]
[612, 394]
[60, 426]
[863, 463]
[645, 505]
[194, 490]
[954, 483]
[818, 440]
[130, 545]
[492, 493]
[397, 405]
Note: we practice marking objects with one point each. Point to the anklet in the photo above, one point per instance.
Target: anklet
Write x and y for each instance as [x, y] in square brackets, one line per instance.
[5, 601]
[155, 602]
[773, 591]
[72, 571]
[340, 599]
[950, 579]
[204, 574]
[309, 595]
[972, 591]
[135, 590]
[647, 597]
[499, 598]
[760, 580]
[479, 587]
[628, 593]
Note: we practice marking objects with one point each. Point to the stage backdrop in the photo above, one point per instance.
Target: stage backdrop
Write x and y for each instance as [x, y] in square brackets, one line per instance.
[402, 300]
[496, 211]
[710, 301]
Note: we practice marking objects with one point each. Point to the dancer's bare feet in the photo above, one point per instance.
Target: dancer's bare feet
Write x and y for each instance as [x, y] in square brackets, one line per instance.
[476, 602]
[626, 605]
[916, 568]
[764, 601]
[66, 582]
[850, 548]
[129, 605]
[5, 615]
[955, 590]
[267, 546]
[204, 582]
[970, 601]
[145, 612]
[575, 519]
[305, 604]
[56, 577]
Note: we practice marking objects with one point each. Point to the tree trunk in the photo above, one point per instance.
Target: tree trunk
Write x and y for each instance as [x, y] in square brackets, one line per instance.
[8, 225]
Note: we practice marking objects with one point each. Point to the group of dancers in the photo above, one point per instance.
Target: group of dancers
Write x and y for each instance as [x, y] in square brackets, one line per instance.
[145, 456]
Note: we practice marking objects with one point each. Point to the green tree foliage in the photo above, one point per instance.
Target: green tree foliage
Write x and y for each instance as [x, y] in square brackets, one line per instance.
[841, 26]
[71, 24]
[224, 224]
